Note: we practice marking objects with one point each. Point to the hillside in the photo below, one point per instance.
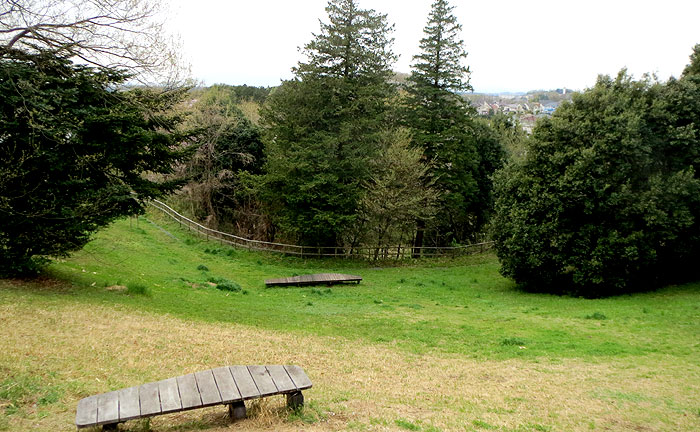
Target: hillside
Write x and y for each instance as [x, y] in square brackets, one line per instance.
[434, 345]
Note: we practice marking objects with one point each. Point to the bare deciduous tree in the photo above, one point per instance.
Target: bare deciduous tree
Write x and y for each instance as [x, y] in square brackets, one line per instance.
[125, 34]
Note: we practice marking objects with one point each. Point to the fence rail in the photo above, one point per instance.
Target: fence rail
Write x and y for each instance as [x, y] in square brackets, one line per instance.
[396, 252]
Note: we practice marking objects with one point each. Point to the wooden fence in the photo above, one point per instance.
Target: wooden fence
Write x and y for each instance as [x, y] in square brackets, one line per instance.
[362, 252]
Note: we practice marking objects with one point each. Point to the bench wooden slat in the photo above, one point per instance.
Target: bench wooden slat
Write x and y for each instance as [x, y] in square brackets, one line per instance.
[86, 415]
[298, 376]
[148, 399]
[222, 385]
[244, 382]
[169, 396]
[189, 394]
[226, 385]
[207, 388]
[108, 408]
[262, 380]
[281, 379]
[129, 404]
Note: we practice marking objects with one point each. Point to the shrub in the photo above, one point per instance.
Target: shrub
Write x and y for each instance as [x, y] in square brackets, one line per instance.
[225, 284]
[607, 199]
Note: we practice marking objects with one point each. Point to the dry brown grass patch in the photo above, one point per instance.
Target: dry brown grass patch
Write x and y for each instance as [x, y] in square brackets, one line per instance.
[87, 350]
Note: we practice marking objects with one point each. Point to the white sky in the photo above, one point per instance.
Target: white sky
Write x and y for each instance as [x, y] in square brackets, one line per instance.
[513, 45]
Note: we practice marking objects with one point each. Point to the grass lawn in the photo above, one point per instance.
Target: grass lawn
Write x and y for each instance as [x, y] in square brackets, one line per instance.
[429, 346]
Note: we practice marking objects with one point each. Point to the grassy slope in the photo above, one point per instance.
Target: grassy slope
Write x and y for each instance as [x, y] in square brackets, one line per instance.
[443, 308]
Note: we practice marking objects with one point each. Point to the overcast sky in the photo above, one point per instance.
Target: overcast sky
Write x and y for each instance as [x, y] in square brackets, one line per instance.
[513, 45]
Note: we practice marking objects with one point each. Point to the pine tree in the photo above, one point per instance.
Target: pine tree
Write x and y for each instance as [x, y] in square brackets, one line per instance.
[439, 65]
[322, 128]
[442, 125]
[354, 45]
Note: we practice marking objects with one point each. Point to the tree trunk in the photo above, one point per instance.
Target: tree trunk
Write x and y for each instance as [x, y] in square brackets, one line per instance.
[418, 241]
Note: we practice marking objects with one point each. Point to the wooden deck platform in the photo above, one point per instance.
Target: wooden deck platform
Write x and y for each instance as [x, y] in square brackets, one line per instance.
[224, 385]
[314, 279]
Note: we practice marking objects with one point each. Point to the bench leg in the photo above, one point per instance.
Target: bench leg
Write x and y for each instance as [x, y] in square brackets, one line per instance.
[295, 400]
[236, 410]
[110, 427]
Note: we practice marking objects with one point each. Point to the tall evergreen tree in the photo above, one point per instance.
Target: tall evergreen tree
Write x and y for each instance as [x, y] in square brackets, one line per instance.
[442, 125]
[322, 127]
[73, 154]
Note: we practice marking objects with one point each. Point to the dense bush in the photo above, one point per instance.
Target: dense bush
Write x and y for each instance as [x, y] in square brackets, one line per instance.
[607, 199]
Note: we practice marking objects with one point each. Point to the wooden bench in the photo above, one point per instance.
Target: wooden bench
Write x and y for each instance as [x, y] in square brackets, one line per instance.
[314, 279]
[228, 385]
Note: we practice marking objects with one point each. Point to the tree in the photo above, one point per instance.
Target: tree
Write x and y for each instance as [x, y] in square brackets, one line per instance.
[443, 127]
[512, 136]
[126, 34]
[323, 127]
[435, 111]
[74, 153]
[693, 68]
[607, 199]
[227, 144]
[399, 192]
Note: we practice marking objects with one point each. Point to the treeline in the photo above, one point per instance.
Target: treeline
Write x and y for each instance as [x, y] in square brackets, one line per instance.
[341, 155]
[604, 198]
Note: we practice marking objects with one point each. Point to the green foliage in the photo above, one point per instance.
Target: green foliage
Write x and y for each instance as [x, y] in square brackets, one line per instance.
[227, 145]
[241, 93]
[439, 65]
[323, 126]
[73, 151]
[202, 267]
[224, 284]
[596, 316]
[399, 192]
[608, 196]
[460, 149]
[511, 135]
[693, 68]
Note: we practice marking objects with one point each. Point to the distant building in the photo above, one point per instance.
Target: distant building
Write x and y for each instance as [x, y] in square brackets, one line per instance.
[549, 107]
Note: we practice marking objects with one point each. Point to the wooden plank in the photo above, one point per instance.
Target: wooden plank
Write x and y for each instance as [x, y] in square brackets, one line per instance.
[129, 407]
[262, 380]
[244, 382]
[149, 399]
[299, 377]
[226, 385]
[189, 394]
[108, 408]
[207, 388]
[169, 396]
[86, 414]
[210, 387]
[281, 378]
[319, 278]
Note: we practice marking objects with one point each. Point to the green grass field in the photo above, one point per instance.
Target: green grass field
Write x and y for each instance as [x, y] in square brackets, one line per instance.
[430, 345]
